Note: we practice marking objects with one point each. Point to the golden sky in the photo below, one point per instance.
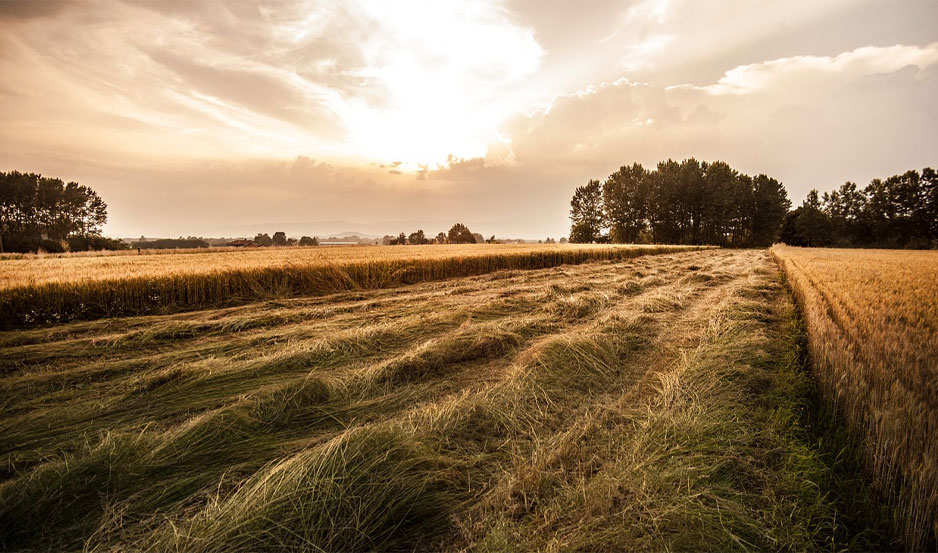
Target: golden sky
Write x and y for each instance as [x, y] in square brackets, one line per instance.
[221, 117]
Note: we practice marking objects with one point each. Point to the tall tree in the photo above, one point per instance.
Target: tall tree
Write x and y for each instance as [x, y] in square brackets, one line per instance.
[39, 212]
[813, 225]
[844, 208]
[769, 208]
[279, 239]
[586, 213]
[625, 197]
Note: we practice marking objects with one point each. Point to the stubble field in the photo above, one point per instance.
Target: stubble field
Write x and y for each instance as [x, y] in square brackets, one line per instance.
[659, 402]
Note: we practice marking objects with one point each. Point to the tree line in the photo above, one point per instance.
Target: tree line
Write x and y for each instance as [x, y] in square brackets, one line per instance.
[170, 243]
[458, 234]
[687, 202]
[38, 212]
[898, 212]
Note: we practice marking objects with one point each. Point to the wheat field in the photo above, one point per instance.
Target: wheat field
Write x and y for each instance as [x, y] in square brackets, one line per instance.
[58, 289]
[872, 326]
[646, 404]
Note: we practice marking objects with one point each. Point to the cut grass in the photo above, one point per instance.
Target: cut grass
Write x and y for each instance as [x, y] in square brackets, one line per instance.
[530, 410]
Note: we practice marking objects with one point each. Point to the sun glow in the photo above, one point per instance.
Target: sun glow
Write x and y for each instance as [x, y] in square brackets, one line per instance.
[441, 68]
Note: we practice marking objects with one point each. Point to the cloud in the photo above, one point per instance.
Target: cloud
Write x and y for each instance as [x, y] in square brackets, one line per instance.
[260, 90]
[29, 9]
[811, 120]
[212, 112]
[355, 80]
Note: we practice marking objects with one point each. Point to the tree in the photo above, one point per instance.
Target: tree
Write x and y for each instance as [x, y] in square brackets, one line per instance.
[418, 238]
[460, 234]
[279, 239]
[586, 213]
[625, 199]
[307, 241]
[789, 233]
[92, 242]
[770, 207]
[813, 226]
[37, 212]
[401, 239]
[441, 238]
[171, 243]
[687, 202]
[844, 208]
[263, 240]
[479, 239]
[930, 202]
[667, 204]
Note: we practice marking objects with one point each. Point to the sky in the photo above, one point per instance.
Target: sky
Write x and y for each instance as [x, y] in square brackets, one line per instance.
[228, 118]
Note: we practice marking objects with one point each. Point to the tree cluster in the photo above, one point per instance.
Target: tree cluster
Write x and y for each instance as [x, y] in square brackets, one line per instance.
[170, 243]
[458, 234]
[898, 212]
[687, 202]
[38, 212]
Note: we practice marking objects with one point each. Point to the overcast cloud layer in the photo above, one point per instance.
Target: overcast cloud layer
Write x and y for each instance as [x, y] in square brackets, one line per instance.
[230, 118]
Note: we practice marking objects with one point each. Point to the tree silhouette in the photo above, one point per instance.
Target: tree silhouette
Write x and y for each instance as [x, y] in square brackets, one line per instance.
[279, 239]
[688, 202]
[39, 212]
[586, 213]
[625, 198]
[418, 238]
[460, 234]
[813, 226]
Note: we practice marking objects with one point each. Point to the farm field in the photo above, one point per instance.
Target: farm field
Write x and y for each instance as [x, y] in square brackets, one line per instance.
[654, 403]
[872, 326]
[81, 267]
[58, 289]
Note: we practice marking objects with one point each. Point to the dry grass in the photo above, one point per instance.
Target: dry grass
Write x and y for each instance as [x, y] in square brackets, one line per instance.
[872, 322]
[34, 270]
[58, 289]
[602, 406]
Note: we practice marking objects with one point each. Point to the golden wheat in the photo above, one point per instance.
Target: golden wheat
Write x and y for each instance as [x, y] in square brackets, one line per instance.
[872, 322]
[51, 290]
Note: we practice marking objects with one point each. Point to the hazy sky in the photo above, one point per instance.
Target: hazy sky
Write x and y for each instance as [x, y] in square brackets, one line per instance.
[219, 117]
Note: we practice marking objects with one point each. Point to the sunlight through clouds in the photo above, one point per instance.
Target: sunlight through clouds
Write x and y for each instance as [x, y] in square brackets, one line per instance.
[443, 67]
[435, 107]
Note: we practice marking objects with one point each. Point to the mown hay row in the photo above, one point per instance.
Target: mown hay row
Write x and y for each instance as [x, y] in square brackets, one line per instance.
[872, 324]
[260, 420]
[56, 302]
